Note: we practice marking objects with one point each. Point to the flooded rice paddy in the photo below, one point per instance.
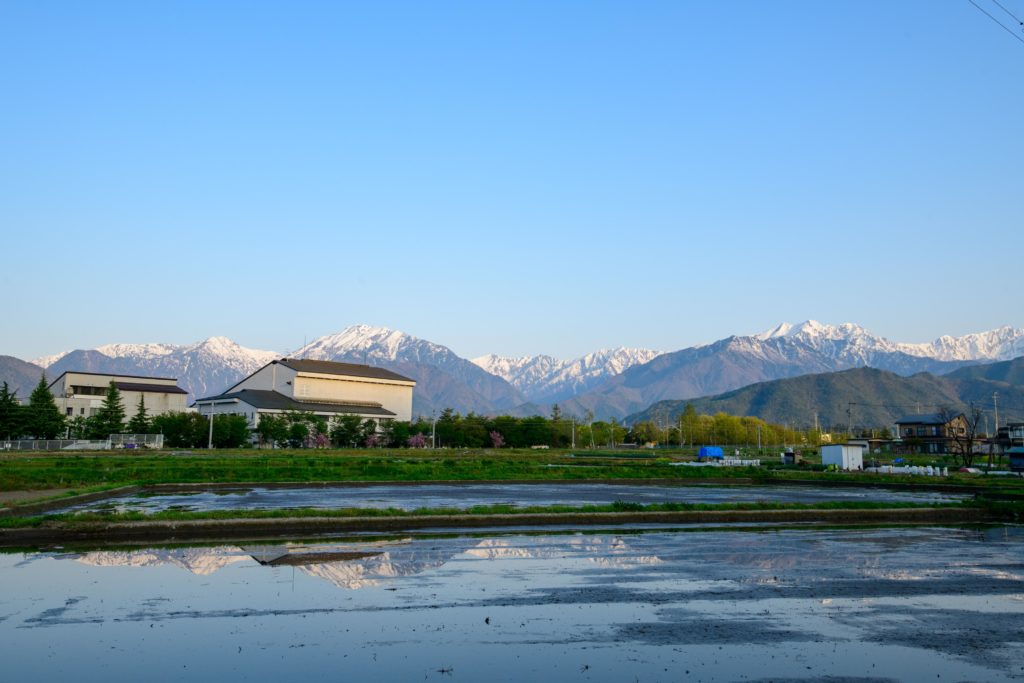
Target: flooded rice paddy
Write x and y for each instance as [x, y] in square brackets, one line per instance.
[410, 497]
[632, 605]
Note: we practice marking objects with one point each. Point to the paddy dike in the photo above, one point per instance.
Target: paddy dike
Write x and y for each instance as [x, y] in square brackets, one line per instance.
[162, 531]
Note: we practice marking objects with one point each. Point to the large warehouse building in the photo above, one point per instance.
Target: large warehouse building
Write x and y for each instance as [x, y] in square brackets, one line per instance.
[80, 394]
[324, 388]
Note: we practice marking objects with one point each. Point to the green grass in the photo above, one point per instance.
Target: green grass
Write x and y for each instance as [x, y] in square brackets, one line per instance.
[103, 470]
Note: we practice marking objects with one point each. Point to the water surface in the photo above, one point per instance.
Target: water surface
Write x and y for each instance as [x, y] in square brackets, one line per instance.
[889, 604]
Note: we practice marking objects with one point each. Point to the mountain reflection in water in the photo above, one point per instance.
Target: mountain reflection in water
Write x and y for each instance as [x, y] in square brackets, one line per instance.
[360, 565]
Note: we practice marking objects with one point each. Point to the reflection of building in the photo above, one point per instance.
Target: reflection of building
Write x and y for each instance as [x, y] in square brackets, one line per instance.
[80, 394]
[323, 388]
[930, 433]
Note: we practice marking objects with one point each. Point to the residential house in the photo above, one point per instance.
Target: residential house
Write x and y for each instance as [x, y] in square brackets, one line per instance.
[929, 433]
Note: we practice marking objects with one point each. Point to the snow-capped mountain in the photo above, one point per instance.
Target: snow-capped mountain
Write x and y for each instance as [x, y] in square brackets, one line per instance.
[610, 382]
[1003, 343]
[202, 369]
[543, 379]
[444, 379]
[783, 351]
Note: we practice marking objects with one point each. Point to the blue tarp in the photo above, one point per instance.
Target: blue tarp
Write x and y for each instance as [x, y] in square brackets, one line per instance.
[710, 452]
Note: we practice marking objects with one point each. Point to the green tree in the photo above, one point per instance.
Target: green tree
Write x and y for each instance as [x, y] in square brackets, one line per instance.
[42, 416]
[139, 424]
[347, 431]
[11, 414]
[272, 430]
[182, 430]
[109, 418]
[230, 431]
[298, 432]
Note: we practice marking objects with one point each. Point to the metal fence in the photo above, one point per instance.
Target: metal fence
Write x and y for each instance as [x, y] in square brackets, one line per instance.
[54, 445]
[136, 440]
[125, 441]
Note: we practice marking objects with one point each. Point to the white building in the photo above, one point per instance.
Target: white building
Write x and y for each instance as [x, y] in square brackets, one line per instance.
[844, 456]
[80, 394]
[324, 388]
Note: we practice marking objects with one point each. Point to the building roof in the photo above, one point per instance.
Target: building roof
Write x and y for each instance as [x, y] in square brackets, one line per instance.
[924, 419]
[275, 400]
[109, 374]
[330, 367]
[154, 388]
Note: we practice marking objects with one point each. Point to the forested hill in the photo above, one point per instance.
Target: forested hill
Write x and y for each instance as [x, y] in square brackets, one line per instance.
[874, 398]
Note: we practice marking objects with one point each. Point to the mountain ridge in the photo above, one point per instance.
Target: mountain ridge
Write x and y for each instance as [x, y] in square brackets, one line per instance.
[610, 382]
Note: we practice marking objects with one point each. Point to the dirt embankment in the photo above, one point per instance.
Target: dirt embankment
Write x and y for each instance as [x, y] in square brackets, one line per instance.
[257, 529]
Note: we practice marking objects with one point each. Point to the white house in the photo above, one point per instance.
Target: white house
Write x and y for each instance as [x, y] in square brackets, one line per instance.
[80, 394]
[844, 456]
[324, 388]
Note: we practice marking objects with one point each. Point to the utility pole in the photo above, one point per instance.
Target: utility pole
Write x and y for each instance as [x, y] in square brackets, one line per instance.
[574, 432]
[995, 404]
[995, 434]
[433, 425]
[210, 442]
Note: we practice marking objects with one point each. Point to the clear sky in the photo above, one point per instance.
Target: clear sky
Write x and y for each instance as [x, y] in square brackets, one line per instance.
[518, 178]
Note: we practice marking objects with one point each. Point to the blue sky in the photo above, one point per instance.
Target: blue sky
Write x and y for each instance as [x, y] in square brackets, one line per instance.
[511, 177]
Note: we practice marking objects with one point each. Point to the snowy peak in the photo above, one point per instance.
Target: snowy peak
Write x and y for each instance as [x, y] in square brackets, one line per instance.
[812, 329]
[1003, 343]
[371, 343]
[545, 379]
[136, 350]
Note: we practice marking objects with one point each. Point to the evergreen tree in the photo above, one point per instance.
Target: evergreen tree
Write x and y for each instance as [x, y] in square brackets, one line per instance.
[42, 416]
[11, 414]
[139, 424]
[109, 419]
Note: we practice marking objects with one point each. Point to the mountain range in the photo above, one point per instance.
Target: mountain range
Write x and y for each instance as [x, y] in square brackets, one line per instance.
[861, 397]
[610, 383]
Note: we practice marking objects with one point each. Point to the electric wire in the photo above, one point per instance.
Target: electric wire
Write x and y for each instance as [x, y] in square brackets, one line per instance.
[1019, 22]
[1001, 25]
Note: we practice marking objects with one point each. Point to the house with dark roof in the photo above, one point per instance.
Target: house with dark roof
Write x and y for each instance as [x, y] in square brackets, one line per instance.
[326, 389]
[929, 433]
[80, 394]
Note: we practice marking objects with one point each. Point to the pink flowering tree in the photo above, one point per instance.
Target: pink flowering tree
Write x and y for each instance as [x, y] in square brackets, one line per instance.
[417, 441]
[497, 440]
[372, 441]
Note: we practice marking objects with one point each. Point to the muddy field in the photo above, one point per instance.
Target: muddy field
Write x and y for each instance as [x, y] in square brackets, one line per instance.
[641, 605]
[410, 497]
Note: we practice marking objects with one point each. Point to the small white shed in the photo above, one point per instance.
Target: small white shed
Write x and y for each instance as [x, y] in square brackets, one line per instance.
[844, 456]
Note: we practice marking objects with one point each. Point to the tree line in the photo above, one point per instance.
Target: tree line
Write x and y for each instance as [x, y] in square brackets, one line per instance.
[40, 418]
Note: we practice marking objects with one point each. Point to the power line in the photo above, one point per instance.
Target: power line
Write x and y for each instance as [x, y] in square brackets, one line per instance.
[1001, 25]
[1019, 22]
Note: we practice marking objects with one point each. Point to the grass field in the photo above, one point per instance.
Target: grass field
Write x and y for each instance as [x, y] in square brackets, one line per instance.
[105, 469]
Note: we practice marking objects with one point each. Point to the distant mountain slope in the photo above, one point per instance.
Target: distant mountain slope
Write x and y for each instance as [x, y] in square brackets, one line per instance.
[736, 362]
[1006, 372]
[19, 375]
[543, 379]
[202, 369]
[875, 398]
[444, 379]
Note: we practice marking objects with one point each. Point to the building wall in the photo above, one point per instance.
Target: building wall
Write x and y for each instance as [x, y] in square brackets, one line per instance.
[392, 395]
[73, 402]
[272, 377]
